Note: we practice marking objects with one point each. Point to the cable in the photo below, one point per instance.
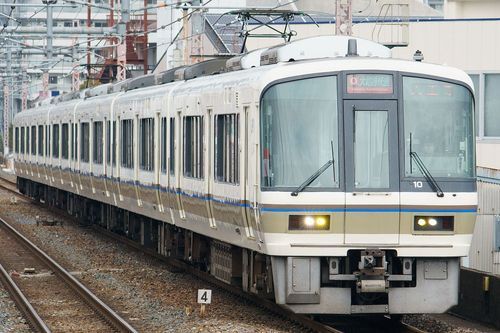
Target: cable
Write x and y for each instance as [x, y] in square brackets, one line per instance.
[8, 18]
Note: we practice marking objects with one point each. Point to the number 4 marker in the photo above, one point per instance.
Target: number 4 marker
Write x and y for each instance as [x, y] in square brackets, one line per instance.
[204, 297]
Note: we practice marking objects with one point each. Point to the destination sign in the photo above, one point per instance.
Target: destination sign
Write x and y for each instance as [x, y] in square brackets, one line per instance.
[369, 84]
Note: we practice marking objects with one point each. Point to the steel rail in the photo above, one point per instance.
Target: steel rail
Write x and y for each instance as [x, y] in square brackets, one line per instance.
[110, 316]
[22, 303]
[411, 329]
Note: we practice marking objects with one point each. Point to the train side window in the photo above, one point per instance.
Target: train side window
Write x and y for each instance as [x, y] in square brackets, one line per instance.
[163, 144]
[114, 142]
[127, 149]
[27, 140]
[84, 142]
[97, 143]
[33, 140]
[64, 141]
[172, 146]
[226, 149]
[146, 144]
[40, 140]
[22, 140]
[193, 147]
[55, 140]
[16, 140]
[47, 134]
[74, 152]
[108, 142]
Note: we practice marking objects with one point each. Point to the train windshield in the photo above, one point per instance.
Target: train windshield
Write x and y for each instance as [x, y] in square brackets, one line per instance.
[299, 133]
[438, 126]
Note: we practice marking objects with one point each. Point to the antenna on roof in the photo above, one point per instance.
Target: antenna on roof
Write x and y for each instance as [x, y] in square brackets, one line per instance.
[352, 48]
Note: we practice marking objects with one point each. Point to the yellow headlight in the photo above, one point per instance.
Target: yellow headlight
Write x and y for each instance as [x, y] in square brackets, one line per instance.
[320, 221]
[421, 222]
[432, 222]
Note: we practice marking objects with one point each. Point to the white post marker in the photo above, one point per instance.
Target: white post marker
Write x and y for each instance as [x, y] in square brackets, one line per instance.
[204, 297]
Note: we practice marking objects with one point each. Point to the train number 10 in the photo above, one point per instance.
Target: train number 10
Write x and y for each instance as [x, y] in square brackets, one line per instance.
[417, 184]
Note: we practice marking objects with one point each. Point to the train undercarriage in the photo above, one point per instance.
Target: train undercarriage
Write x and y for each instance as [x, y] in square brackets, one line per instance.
[366, 281]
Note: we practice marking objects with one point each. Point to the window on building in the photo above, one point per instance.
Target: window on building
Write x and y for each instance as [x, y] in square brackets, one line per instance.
[97, 143]
[33, 140]
[64, 141]
[435, 4]
[163, 144]
[16, 142]
[22, 139]
[40, 140]
[146, 144]
[491, 105]
[85, 142]
[126, 139]
[55, 140]
[226, 157]
[68, 24]
[74, 152]
[193, 147]
[172, 146]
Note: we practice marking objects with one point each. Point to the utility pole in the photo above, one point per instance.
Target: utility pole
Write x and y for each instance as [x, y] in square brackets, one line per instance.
[89, 23]
[343, 17]
[185, 34]
[49, 48]
[24, 89]
[6, 100]
[121, 50]
[197, 29]
[75, 75]
[145, 52]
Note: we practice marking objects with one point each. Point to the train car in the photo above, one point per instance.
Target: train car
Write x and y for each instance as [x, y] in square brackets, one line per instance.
[321, 173]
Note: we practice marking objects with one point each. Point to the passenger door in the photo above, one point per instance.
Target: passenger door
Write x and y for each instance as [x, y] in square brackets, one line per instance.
[372, 172]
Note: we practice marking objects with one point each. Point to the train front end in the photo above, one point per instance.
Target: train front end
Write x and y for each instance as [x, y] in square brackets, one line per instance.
[368, 193]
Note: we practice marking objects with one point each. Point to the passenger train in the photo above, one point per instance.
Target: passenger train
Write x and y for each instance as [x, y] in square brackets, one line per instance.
[321, 173]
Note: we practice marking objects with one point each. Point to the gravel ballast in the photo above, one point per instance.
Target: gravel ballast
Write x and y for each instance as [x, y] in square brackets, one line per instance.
[11, 319]
[138, 287]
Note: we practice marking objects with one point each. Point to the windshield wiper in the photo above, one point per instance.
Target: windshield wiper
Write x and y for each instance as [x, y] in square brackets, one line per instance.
[313, 177]
[427, 174]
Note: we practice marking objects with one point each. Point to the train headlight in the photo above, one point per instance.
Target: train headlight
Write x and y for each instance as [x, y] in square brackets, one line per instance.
[434, 223]
[309, 222]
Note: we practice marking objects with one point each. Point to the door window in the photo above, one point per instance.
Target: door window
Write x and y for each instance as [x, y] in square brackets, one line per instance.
[371, 152]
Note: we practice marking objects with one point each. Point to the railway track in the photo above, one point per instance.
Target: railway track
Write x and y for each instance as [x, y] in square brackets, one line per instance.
[51, 298]
[368, 324]
[308, 323]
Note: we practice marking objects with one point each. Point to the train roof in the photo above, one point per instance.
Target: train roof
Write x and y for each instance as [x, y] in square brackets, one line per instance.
[301, 57]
